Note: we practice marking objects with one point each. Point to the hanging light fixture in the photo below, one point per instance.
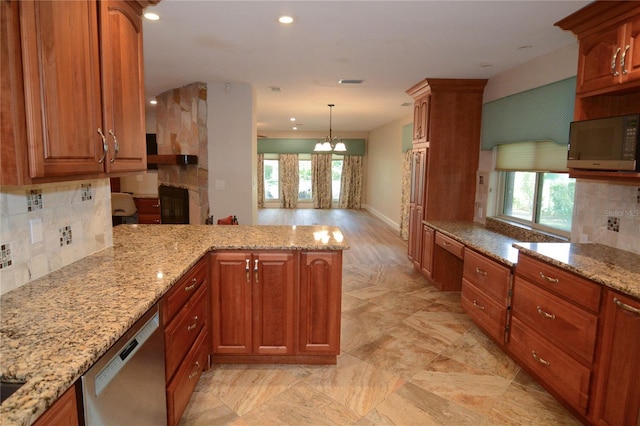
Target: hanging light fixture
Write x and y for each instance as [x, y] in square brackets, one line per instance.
[329, 143]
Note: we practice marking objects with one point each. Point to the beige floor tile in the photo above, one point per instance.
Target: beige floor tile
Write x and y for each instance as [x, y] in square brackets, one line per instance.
[355, 334]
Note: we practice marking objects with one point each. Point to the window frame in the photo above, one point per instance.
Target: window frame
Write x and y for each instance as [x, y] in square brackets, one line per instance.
[537, 204]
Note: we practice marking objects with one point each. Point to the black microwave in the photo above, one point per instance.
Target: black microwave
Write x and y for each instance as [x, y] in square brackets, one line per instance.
[605, 144]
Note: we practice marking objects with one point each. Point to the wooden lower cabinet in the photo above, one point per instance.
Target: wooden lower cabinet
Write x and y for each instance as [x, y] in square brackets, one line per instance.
[320, 303]
[428, 235]
[252, 302]
[185, 318]
[63, 412]
[447, 263]
[148, 210]
[617, 386]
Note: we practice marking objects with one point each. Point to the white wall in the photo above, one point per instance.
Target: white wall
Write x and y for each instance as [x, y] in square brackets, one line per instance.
[384, 158]
[231, 123]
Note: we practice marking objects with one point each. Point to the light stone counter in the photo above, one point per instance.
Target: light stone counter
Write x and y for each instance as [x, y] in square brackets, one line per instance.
[54, 329]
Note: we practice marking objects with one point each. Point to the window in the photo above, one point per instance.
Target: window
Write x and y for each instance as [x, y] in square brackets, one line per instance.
[304, 169]
[271, 179]
[542, 200]
[336, 177]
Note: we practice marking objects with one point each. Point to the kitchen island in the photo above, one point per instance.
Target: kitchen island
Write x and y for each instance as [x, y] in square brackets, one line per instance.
[55, 328]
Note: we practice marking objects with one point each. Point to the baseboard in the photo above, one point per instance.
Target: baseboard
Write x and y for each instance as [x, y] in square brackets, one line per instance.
[395, 225]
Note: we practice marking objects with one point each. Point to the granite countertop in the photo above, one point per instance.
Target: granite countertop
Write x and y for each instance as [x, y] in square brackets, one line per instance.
[54, 329]
[494, 245]
[609, 266]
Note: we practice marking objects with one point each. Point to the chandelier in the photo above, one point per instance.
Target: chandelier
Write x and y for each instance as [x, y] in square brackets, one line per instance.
[329, 143]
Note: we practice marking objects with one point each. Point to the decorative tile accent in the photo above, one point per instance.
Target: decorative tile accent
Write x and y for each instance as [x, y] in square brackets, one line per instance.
[87, 192]
[34, 200]
[5, 256]
[613, 224]
[65, 236]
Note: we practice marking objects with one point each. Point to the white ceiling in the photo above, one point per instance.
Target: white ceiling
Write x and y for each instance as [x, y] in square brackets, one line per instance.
[391, 45]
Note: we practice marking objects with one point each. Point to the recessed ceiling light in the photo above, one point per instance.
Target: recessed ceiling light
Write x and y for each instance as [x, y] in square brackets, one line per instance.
[292, 119]
[153, 102]
[349, 81]
[285, 19]
[294, 128]
[151, 16]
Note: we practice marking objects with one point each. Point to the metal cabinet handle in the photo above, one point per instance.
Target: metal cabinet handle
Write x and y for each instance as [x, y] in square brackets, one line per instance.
[116, 147]
[481, 272]
[475, 303]
[105, 146]
[545, 314]
[446, 243]
[613, 63]
[550, 279]
[540, 360]
[255, 270]
[622, 60]
[194, 325]
[620, 304]
[247, 269]
[195, 371]
[192, 286]
[155, 206]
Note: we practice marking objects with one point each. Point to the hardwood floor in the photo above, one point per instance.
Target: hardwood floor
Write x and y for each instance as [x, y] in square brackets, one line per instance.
[409, 354]
[372, 241]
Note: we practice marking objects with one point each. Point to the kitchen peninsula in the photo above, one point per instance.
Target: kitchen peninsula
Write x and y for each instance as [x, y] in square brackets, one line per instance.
[55, 328]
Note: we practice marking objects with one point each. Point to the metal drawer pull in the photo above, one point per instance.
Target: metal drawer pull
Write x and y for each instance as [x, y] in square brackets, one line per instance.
[255, 270]
[155, 206]
[481, 272]
[545, 314]
[540, 360]
[622, 60]
[194, 325]
[116, 147]
[550, 279]
[195, 371]
[105, 147]
[192, 286]
[446, 243]
[475, 303]
[247, 269]
[626, 307]
[613, 63]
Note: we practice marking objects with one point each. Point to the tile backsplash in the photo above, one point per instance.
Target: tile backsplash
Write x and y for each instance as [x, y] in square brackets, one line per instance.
[48, 226]
[607, 214]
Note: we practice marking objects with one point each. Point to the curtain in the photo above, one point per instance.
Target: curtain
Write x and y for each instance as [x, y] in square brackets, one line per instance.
[351, 183]
[260, 179]
[321, 180]
[289, 180]
[406, 195]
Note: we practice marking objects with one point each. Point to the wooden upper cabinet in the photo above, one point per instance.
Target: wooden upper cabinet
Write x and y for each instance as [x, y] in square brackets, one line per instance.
[74, 74]
[123, 85]
[421, 119]
[60, 53]
[609, 53]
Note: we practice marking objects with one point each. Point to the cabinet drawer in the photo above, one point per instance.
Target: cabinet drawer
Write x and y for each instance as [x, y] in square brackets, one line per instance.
[183, 330]
[570, 327]
[485, 312]
[148, 205]
[181, 387]
[183, 289]
[577, 289]
[487, 275]
[149, 219]
[561, 373]
[450, 245]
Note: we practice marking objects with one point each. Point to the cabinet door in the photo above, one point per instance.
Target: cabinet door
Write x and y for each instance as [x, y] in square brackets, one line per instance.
[617, 394]
[123, 85]
[320, 302]
[231, 303]
[598, 60]
[425, 106]
[273, 303]
[62, 87]
[428, 235]
[631, 50]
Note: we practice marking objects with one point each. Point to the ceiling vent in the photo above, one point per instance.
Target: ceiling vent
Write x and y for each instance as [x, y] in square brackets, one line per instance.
[349, 81]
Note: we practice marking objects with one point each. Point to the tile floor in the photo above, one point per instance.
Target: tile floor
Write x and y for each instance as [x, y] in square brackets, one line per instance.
[410, 356]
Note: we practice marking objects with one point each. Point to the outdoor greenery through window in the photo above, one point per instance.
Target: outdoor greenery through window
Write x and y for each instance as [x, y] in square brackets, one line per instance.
[304, 186]
[271, 179]
[541, 199]
[336, 178]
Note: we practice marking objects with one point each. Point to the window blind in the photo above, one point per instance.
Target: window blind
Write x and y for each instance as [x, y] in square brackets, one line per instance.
[534, 156]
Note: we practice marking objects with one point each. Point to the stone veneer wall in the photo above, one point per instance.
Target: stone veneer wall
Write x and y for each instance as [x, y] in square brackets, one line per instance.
[76, 222]
[607, 214]
[181, 128]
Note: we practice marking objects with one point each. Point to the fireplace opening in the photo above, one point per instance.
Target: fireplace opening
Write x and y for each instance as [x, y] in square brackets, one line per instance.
[174, 205]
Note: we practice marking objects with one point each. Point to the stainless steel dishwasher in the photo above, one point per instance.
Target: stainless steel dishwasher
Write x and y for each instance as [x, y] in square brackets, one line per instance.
[127, 385]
